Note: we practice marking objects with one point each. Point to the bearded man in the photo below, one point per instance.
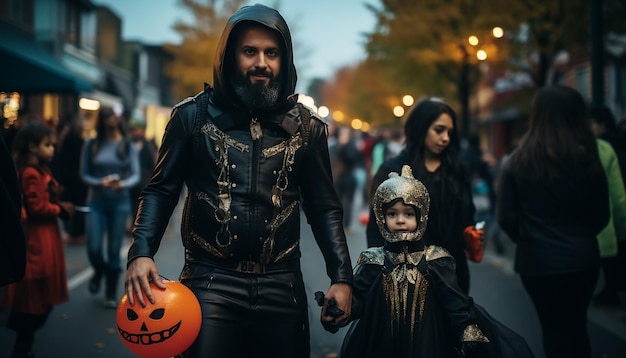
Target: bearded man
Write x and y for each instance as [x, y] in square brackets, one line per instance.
[250, 156]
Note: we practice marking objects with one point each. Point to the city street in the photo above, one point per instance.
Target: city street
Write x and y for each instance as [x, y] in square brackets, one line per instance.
[83, 328]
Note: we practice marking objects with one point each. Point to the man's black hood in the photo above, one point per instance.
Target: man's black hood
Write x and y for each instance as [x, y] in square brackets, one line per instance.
[225, 63]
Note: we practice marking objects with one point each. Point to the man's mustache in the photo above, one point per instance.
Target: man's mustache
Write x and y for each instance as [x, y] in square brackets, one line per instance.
[260, 73]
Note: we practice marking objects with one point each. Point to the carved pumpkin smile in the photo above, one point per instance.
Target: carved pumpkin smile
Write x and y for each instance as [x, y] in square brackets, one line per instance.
[147, 338]
[164, 328]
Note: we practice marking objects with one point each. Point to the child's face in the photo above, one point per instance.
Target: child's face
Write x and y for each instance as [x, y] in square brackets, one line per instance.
[44, 151]
[401, 218]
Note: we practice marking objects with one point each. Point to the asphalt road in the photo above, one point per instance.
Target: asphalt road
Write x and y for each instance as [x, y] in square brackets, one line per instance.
[83, 328]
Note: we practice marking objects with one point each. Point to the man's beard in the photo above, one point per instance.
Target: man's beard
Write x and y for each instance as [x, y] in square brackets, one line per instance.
[255, 96]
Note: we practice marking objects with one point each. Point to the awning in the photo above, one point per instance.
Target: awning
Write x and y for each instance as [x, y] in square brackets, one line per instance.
[25, 67]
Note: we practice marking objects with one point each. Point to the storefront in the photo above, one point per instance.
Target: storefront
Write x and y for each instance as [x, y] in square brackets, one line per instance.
[44, 86]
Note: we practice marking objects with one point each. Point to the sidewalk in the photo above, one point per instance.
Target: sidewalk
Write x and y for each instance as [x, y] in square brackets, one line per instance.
[611, 319]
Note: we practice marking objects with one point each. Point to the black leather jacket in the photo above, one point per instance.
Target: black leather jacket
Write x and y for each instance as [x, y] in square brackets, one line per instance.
[251, 177]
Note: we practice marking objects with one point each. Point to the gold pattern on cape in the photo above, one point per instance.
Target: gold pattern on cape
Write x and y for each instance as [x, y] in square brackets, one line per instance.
[472, 333]
[290, 148]
[205, 245]
[269, 243]
[404, 277]
[256, 132]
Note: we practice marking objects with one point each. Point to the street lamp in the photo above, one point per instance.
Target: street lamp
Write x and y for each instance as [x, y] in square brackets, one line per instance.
[497, 32]
[398, 111]
[323, 111]
[480, 50]
[408, 100]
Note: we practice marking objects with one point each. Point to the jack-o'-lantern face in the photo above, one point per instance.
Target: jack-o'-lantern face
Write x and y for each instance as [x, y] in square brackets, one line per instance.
[163, 329]
[147, 336]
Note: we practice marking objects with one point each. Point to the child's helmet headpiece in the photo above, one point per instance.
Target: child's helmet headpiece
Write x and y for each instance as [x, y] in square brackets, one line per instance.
[412, 192]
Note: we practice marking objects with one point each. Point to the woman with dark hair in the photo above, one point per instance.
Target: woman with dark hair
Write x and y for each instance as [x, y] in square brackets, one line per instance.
[432, 147]
[553, 201]
[110, 166]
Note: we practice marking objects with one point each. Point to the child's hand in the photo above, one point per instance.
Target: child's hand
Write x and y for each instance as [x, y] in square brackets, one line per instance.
[474, 243]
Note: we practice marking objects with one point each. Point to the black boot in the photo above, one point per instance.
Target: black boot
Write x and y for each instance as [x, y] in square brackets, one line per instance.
[23, 347]
[22, 351]
[112, 277]
[96, 280]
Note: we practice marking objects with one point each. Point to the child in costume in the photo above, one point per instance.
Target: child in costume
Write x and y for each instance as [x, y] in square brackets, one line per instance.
[45, 283]
[406, 299]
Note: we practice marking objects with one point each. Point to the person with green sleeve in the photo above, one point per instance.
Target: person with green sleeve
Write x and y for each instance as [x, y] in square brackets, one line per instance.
[614, 233]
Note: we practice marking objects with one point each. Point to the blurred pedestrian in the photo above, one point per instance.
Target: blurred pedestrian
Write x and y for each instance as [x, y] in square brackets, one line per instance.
[346, 160]
[66, 168]
[45, 282]
[110, 166]
[604, 126]
[432, 147]
[406, 290]
[615, 231]
[612, 240]
[552, 202]
[250, 155]
[147, 151]
[13, 239]
[483, 187]
[388, 145]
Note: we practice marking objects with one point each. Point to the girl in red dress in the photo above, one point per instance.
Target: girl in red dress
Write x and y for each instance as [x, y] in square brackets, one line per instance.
[45, 283]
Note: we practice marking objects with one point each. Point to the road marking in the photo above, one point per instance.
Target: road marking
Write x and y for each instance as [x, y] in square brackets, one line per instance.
[84, 275]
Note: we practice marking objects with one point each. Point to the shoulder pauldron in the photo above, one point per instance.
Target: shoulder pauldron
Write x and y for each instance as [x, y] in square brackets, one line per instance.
[436, 252]
[372, 256]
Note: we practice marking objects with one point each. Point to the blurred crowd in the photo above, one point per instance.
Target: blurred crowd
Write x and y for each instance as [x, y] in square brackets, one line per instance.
[357, 156]
[91, 177]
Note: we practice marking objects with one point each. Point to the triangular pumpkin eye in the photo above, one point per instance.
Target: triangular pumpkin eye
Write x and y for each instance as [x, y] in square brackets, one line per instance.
[157, 313]
[131, 314]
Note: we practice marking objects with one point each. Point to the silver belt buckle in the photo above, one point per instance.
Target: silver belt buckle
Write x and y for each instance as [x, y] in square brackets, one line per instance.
[249, 267]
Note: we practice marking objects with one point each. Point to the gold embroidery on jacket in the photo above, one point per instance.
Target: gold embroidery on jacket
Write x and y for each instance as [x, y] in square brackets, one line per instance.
[269, 243]
[205, 244]
[222, 142]
[289, 147]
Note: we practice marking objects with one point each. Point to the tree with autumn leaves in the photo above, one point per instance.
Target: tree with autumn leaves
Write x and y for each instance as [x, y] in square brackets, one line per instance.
[421, 47]
[417, 47]
[192, 63]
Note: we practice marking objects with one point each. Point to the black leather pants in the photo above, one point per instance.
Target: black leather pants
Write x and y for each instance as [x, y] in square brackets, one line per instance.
[250, 315]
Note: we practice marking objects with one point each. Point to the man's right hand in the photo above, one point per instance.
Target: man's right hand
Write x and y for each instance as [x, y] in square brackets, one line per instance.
[141, 271]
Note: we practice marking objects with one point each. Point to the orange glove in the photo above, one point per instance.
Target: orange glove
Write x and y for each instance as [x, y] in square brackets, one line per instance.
[473, 243]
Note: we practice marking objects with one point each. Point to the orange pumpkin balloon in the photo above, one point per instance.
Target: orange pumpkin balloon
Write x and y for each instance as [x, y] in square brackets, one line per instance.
[163, 329]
